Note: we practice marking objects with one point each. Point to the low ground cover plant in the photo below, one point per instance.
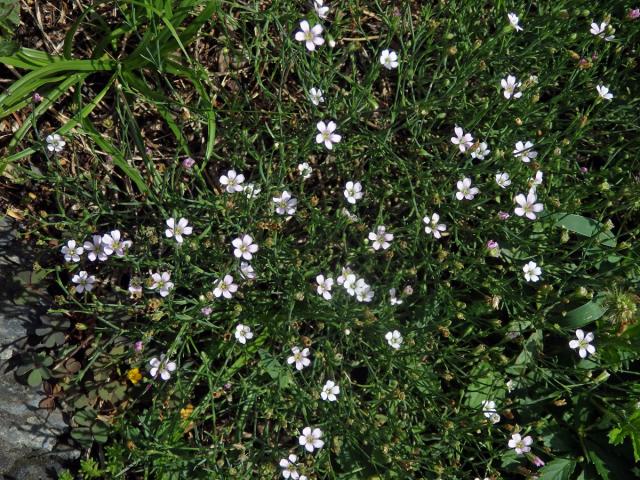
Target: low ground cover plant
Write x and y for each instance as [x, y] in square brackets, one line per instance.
[345, 240]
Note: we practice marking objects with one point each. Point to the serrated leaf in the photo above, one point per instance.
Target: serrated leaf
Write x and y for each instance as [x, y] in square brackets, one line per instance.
[558, 469]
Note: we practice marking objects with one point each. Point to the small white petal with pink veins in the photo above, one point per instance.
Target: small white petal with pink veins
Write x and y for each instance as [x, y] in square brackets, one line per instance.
[601, 31]
[162, 366]
[178, 229]
[527, 206]
[381, 238]
[84, 281]
[285, 204]
[524, 151]
[55, 143]
[583, 343]
[503, 180]
[327, 135]
[434, 227]
[225, 287]
[519, 444]
[465, 190]
[510, 84]
[72, 251]
[162, 282]
[463, 140]
[95, 249]
[311, 439]
[232, 181]
[244, 247]
[113, 243]
[312, 37]
[324, 286]
[299, 357]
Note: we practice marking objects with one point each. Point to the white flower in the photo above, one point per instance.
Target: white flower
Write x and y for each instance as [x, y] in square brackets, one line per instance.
[509, 85]
[503, 180]
[324, 286]
[162, 282]
[55, 143]
[532, 272]
[343, 275]
[299, 357]
[462, 140]
[246, 271]
[583, 343]
[164, 366]
[225, 287]
[326, 134]
[465, 190]
[381, 238]
[95, 249]
[601, 31]
[311, 36]
[433, 227]
[72, 251]
[394, 339]
[135, 286]
[489, 411]
[84, 281]
[232, 181]
[392, 297]
[481, 151]
[321, 9]
[243, 333]
[329, 391]
[251, 191]
[536, 180]
[604, 92]
[353, 192]
[288, 466]
[305, 170]
[310, 439]
[285, 204]
[244, 247]
[514, 21]
[113, 243]
[350, 282]
[527, 205]
[315, 94]
[363, 291]
[524, 151]
[389, 59]
[519, 444]
[178, 230]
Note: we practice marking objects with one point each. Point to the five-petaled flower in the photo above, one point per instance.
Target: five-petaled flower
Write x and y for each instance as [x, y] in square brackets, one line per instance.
[462, 140]
[55, 143]
[481, 151]
[246, 271]
[315, 94]
[604, 92]
[285, 204]
[326, 134]
[601, 31]
[311, 439]
[321, 9]
[299, 357]
[95, 249]
[509, 85]
[381, 238]
[113, 243]
[243, 333]
[503, 180]
[465, 190]
[527, 206]
[312, 37]
[83, 281]
[389, 59]
[324, 286]
[232, 181]
[524, 151]
[225, 287]
[394, 339]
[289, 468]
[244, 247]
[162, 366]
[305, 170]
[519, 444]
[353, 192]
[583, 343]
[329, 391]
[514, 21]
[72, 251]
[162, 281]
[177, 230]
[433, 226]
[532, 272]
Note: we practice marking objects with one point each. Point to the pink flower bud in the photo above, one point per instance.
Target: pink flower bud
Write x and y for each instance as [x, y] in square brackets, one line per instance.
[503, 215]
[138, 346]
[188, 163]
[633, 14]
[37, 98]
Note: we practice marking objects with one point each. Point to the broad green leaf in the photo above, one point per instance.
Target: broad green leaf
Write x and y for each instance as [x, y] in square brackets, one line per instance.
[35, 378]
[586, 227]
[585, 314]
[558, 469]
